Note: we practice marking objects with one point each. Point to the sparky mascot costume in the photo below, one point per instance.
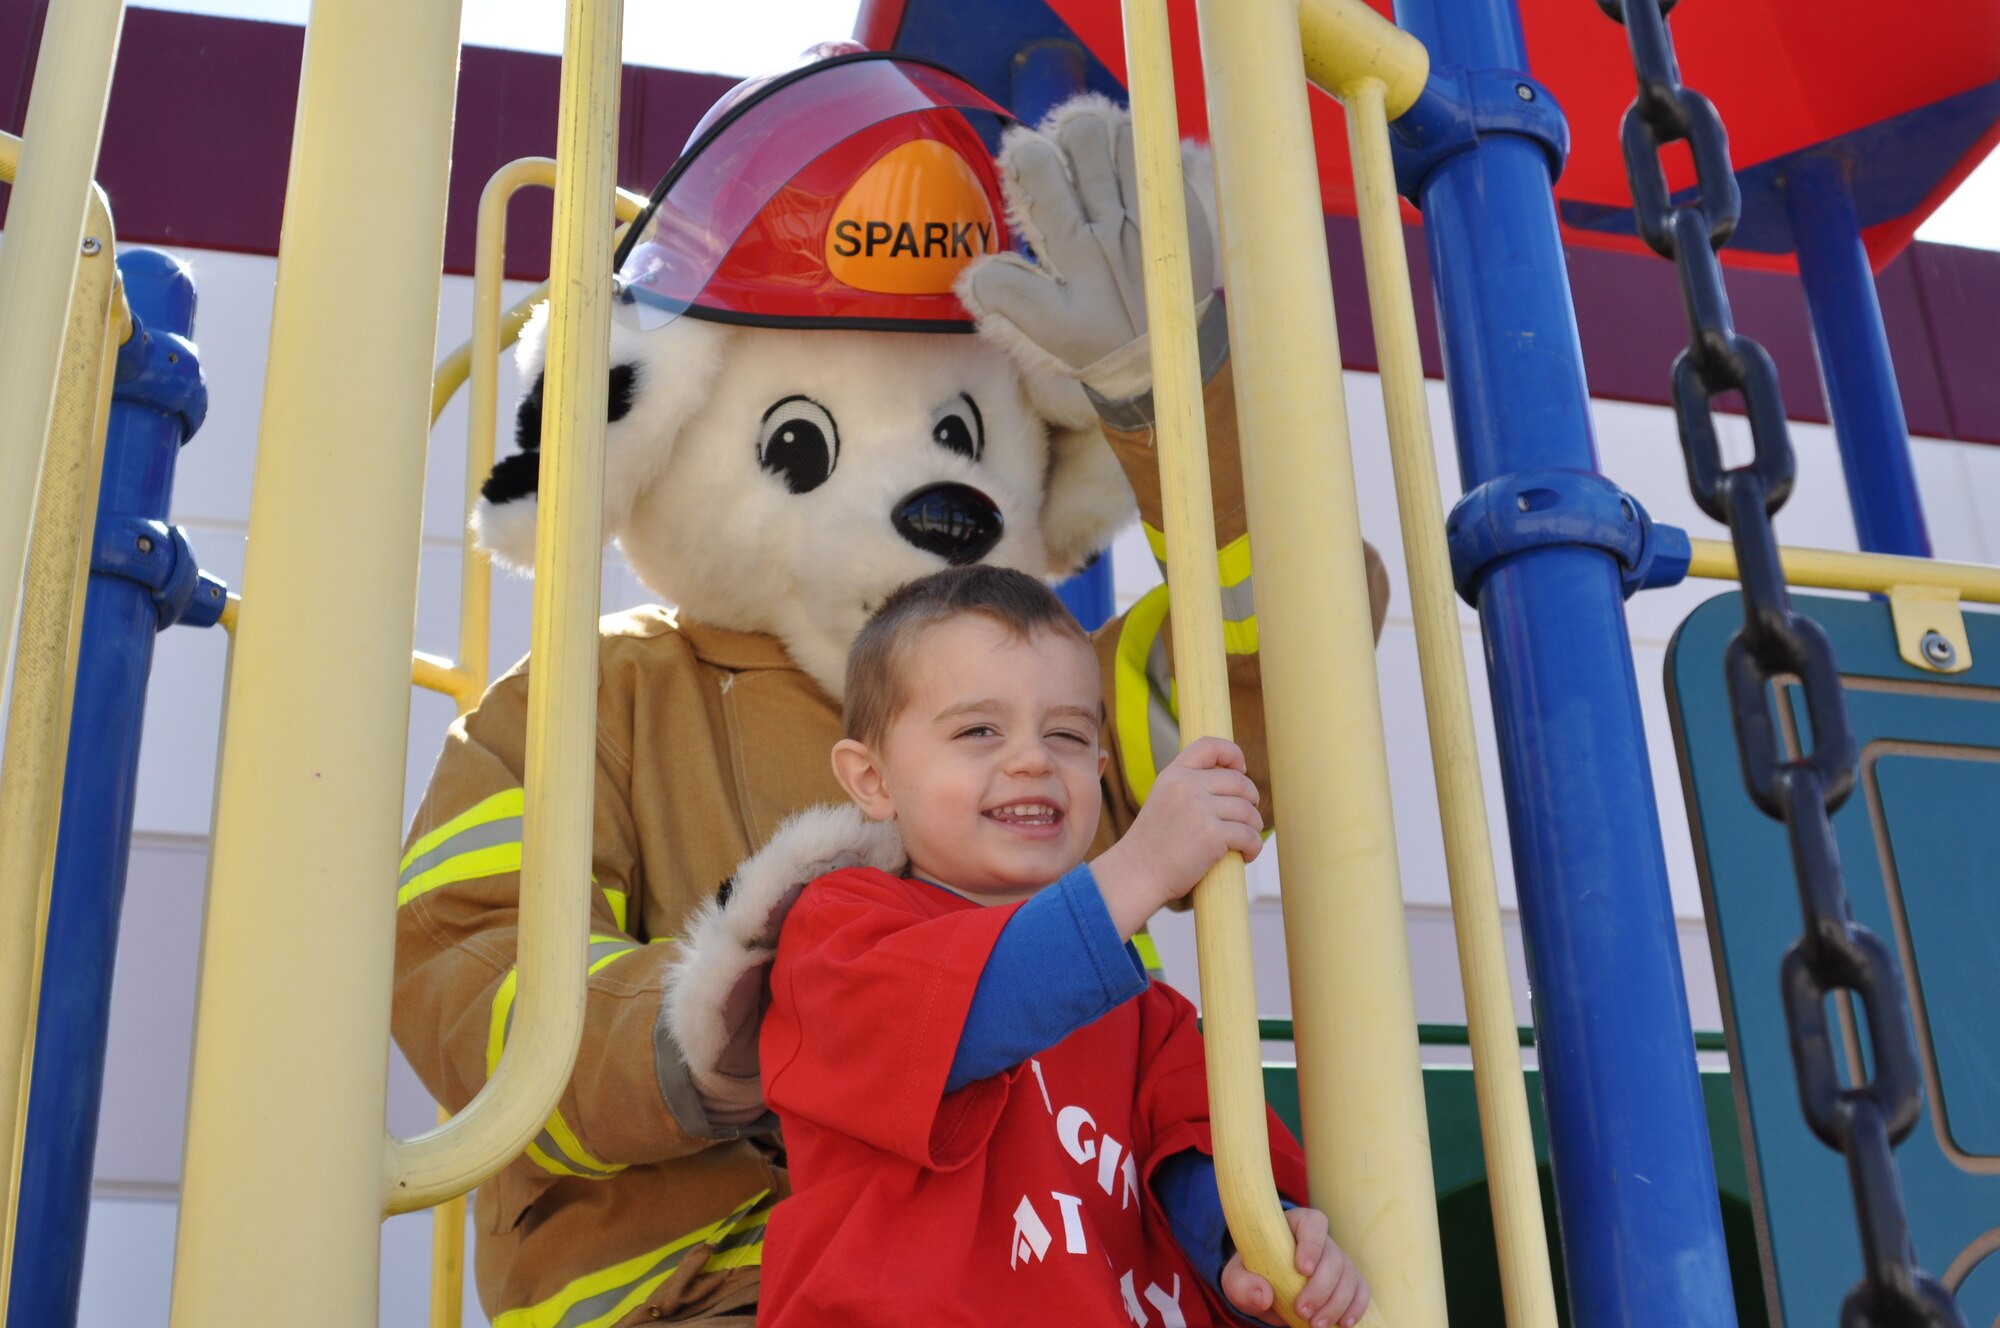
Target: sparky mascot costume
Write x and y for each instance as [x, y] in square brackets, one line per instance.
[799, 423]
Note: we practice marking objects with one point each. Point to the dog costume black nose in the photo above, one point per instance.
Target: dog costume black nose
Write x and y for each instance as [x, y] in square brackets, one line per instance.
[956, 522]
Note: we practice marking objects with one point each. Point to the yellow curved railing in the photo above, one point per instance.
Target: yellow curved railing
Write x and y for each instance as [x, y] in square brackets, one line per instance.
[464, 681]
[562, 712]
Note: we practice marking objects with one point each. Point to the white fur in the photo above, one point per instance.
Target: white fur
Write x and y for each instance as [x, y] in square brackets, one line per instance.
[714, 992]
[673, 366]
[730, 544]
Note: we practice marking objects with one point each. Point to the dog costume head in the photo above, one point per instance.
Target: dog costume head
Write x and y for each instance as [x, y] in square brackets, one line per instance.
[798, 421]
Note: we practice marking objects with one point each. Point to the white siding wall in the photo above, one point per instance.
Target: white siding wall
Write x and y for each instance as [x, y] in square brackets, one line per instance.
[139, 1153]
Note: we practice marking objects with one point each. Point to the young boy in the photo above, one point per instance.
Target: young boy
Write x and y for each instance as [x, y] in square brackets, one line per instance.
[991, 1116]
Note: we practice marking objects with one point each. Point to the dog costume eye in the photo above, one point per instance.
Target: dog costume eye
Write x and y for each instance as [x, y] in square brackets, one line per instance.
[961, 430]
[798, 443]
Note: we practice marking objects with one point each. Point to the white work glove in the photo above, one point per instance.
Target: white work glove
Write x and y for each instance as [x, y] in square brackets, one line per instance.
[1072, 193]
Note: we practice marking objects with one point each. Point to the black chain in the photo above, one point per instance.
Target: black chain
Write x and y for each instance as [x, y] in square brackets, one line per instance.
[1835, 954]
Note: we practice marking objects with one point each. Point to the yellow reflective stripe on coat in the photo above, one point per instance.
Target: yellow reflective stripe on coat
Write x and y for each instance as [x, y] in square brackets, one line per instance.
[556, 1149]
[1232, 573]
[483, 840]
[1143, 713]
[616, 898]
[1149, 955]
[597, 1300]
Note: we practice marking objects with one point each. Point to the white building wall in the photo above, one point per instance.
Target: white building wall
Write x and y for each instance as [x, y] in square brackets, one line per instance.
[138, 1160]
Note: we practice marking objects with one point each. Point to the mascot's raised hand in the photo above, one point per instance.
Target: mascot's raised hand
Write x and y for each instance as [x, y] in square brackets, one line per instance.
[1080, 308]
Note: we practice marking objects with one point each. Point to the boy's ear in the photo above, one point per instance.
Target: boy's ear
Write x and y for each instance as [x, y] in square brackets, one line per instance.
[1103, 760]
[855, 767]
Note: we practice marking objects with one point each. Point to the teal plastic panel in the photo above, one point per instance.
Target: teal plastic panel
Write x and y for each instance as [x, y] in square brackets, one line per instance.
[1920, 849]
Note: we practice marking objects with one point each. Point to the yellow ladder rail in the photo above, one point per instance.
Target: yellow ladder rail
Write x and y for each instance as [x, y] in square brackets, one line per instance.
[1201, 682]
[1513, 1180]
[283, 1191]
[1367, 1136]
[37, 731]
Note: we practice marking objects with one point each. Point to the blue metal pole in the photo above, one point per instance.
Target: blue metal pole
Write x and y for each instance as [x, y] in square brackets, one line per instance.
[1854, 360]
[142, 577]
[1635, 1182]
[1047, 74]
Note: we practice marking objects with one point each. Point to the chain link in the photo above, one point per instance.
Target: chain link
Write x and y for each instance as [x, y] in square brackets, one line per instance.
[1835, 954]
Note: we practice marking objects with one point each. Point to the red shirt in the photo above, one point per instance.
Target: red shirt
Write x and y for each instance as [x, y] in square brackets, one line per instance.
[1020, 1196]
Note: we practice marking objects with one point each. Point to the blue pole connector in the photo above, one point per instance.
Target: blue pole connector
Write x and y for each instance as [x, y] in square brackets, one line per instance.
[1548, 553]
[143, 577]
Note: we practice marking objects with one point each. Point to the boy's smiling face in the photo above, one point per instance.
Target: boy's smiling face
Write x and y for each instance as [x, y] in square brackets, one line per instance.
[991, 767]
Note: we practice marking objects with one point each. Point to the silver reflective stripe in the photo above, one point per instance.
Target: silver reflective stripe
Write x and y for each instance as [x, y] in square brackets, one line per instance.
[1162, 728]
[507, 830]
[1237, 603]
[590, 1311]
[1131, 414]
[606, 948]
[598, 950]
[547, 1143]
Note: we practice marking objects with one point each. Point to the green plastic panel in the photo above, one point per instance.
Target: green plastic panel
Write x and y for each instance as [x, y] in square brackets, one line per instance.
[1920, 850]
[1465, 1211]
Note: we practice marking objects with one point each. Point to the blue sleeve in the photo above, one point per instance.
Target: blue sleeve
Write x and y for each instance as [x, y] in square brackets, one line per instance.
[1057, 966]
[1185, 1186]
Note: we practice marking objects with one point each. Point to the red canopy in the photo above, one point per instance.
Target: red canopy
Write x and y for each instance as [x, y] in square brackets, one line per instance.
[1911, 94]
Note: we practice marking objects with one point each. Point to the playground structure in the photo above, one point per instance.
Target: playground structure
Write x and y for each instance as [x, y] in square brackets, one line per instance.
[314, 789]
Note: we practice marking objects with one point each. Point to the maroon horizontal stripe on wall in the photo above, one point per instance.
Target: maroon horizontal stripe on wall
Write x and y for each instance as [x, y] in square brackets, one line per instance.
[199, 132]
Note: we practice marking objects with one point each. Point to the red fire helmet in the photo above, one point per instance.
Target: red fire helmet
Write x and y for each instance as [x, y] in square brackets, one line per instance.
[849, 192]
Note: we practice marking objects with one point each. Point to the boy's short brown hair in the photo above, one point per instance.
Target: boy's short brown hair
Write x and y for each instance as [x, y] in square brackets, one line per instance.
[1019, 603]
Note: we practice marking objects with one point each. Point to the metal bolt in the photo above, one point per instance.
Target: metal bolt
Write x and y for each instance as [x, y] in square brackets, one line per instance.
[145, 544]
[1522, 502]
[1939, 650]
[91, 246]
[215, 592]
[1524, 92]
[1625, 506]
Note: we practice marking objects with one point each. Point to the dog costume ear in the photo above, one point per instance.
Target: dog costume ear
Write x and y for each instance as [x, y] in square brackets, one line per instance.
[659, 380]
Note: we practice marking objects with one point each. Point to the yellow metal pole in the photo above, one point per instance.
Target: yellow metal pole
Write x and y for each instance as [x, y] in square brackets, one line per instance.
[32, 765]
[1831, 569]
[562, 703]
[1201, 680]
[1360, 1084]
[1346, 41]
[46, 217]
[282, 1193]
[1513, 1182]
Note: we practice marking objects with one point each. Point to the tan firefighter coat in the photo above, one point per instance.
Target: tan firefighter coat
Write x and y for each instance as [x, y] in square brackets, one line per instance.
[631, 1206]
